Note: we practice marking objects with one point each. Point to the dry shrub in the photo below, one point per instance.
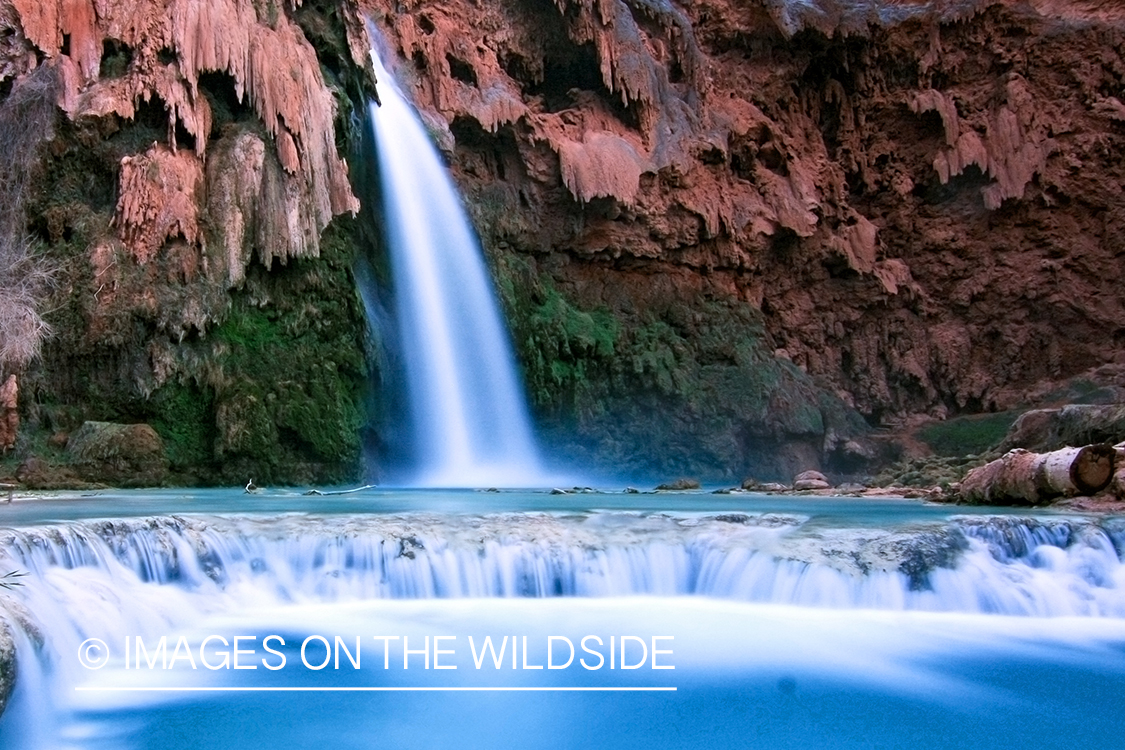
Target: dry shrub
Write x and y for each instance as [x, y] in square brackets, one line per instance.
[27, 119]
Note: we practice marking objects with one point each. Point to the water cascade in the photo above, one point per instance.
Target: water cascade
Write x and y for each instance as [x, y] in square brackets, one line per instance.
[469, 417]
[908, 623]
[985, 566]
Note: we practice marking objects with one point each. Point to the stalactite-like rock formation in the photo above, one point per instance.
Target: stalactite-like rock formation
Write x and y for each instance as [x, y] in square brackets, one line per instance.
[271, 64]
[186, 199]
[912, 203]
[732, 236]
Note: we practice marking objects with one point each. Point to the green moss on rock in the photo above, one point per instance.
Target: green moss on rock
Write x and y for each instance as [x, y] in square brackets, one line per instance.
[290, 371]
[686, 386]
[967, 435]
[183, 415]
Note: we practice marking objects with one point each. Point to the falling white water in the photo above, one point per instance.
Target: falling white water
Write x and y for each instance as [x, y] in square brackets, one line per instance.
[470, 421]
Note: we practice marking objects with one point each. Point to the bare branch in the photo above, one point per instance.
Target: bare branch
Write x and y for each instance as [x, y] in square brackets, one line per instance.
[27, 119]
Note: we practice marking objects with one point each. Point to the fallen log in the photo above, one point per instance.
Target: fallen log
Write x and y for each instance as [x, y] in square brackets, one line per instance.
[1021, 477]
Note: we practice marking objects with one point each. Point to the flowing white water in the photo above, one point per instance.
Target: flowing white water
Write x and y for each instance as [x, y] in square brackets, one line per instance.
[722, 576]
[469, 417]
[991, 566]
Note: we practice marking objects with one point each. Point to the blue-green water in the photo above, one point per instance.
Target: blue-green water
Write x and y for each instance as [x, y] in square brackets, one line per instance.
[844, 511]
[790, 622]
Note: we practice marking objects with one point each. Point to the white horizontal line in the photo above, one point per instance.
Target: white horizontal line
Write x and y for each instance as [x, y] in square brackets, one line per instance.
[369, 689]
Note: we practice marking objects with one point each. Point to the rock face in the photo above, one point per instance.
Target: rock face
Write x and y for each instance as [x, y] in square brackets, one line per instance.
[196, 211]
[7, 664]
[718, 225]
[125, 455]
[9, 413]
[732, 237]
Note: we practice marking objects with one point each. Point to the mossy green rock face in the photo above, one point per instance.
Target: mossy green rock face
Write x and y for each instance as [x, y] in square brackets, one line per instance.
[271, 389]
[970, 434]
[234, 330]
[677, 386]
[278, 386]
[127, 455]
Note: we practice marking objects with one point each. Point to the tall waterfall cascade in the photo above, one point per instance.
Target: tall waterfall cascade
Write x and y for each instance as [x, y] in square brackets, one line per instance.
[470, 422]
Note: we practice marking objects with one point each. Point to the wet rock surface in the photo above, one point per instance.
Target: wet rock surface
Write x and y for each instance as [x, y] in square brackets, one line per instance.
[131, 455]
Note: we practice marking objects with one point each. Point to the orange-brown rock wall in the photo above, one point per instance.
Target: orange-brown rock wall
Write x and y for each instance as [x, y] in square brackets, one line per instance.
[194, 210]
[923, 201]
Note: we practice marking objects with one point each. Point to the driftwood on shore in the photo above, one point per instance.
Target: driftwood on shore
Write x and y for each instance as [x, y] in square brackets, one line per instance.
[1021, 476]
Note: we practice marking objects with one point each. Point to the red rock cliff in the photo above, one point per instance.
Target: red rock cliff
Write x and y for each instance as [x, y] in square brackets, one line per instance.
[920, 201]
[723, 229]
[184, 199]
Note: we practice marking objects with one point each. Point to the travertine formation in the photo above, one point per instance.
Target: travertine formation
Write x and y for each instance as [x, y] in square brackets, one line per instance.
[193, 159]
[9, 413]
[726, 231]
[167, 47]
[921, 200]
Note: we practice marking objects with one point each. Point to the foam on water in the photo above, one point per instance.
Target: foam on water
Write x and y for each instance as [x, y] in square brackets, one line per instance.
[986, 565]
[884, 613]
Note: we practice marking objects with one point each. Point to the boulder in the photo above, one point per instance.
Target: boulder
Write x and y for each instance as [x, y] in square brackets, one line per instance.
[34, 473]
[1046, 430]
[126, 455]
[1117, 485]
[31, 470]
[680, 484]
[811, 480]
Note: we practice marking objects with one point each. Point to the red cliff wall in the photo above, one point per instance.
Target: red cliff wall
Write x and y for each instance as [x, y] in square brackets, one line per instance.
[921, 201]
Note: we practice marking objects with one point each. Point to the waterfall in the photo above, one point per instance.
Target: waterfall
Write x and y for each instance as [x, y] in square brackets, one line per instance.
[750, 599]
[92, 572]
[469, 418]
